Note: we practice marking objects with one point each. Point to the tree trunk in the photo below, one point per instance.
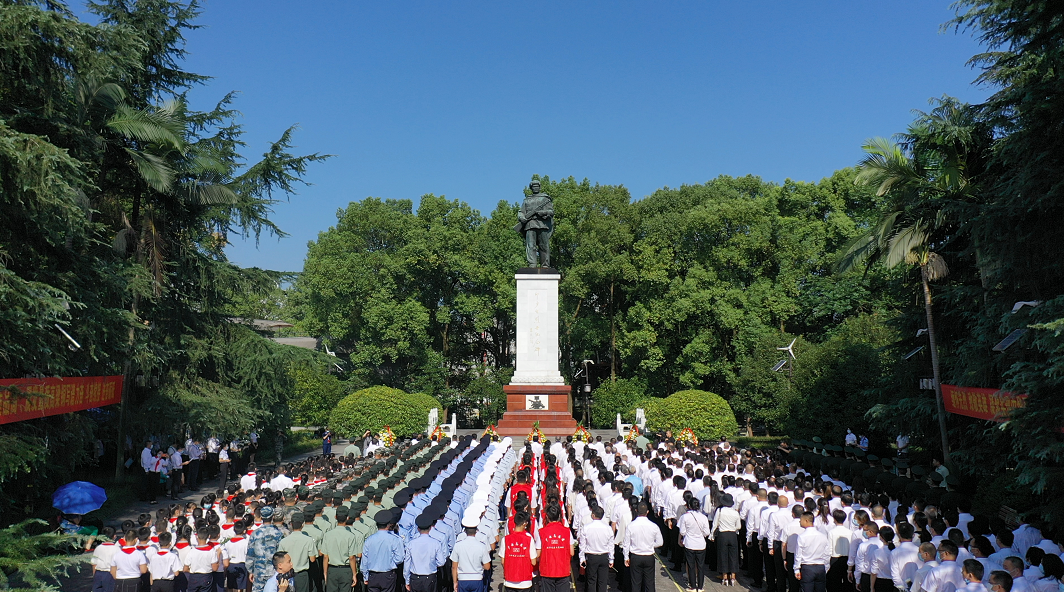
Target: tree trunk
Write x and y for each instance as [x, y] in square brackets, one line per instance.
[934, 364]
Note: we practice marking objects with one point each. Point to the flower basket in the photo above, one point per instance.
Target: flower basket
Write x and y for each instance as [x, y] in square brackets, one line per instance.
[491, 432]
[687, 435]
[387, 437]
[536, 432]
[581, 434]
[632, 434]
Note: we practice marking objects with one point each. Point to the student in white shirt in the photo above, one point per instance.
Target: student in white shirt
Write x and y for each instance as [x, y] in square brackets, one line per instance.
[163, 564]
[101, 561]
[127, 565]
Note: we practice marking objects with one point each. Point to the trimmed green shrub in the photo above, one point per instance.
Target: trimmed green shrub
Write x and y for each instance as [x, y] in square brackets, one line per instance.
[706, 413]
[613, 397]
[378, 406]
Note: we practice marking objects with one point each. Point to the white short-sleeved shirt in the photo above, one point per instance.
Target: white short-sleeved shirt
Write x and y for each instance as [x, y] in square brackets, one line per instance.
[164, 565]
[128, 564]
[102, 555]
[200, 560]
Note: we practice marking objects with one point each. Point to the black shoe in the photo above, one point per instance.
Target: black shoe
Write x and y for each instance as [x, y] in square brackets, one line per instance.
[153, 502]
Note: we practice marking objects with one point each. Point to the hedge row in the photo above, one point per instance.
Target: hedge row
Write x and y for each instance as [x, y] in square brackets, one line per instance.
[378, 406]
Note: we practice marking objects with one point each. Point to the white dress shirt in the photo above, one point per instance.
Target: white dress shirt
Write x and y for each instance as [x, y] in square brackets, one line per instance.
[726, 520]
[921, 573]
[596, 538]
[904, 561]
[812, 548]
[641, 538]
[944, 578]
[694, 529]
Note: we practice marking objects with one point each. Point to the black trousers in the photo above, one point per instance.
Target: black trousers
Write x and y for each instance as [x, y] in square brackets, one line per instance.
[814, 578]
[597, 570]
[340, 579]
[418, 583]
[696, 578]
[198, 582]
[151, 485]
[770, 566]
[675, 548]
[175, 482]
[317, 576]
[162, 586]
[624, 573]
[444, 577]
[836, 576]
[547, 584]
[212, 465]
[727, 551]
[381, 581]
[792, 582]
[781, 567]
[755, 568]
[192, 477]
[642, 572]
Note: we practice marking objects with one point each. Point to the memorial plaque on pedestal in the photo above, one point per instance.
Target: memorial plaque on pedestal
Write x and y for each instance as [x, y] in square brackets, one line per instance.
[537, 391]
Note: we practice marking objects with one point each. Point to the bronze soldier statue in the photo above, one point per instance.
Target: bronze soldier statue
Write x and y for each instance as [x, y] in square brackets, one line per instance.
[536, 222]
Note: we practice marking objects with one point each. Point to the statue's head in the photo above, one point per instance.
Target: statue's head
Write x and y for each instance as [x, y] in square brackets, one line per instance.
[534, 186]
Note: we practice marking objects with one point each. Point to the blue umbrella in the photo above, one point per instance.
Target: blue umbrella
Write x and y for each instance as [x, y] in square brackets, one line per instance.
[79, 497]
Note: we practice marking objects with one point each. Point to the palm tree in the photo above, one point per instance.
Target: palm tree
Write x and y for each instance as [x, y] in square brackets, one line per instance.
[922, 179]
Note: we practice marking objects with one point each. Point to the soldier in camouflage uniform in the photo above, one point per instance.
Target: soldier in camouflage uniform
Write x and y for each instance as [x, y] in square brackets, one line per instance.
[261, 547]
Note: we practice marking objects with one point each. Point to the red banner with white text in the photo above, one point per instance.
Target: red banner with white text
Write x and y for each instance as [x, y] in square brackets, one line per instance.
[982, 403]
[53, 396]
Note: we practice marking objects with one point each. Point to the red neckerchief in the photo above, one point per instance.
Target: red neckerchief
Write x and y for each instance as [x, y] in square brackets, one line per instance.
[227, 526]
[206, 548]
[161, 552]
[230, 498]
[172, 520]
[122, 542]
[142, 547]
[212, 544]
[155, 539]
[181, 545]
[236, 539]
[105, 544]
[129, 550]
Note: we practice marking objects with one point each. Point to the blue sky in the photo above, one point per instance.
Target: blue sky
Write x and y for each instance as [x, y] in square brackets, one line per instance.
[469, 99]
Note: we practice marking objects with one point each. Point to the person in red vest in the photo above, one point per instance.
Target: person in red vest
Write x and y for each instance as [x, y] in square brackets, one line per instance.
[518, 556]
[556, 548]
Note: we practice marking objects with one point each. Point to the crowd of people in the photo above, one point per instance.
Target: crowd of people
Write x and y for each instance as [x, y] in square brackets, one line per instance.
[428, 516]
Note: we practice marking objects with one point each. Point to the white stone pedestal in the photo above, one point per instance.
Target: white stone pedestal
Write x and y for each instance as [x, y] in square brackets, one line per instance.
[537, 328]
